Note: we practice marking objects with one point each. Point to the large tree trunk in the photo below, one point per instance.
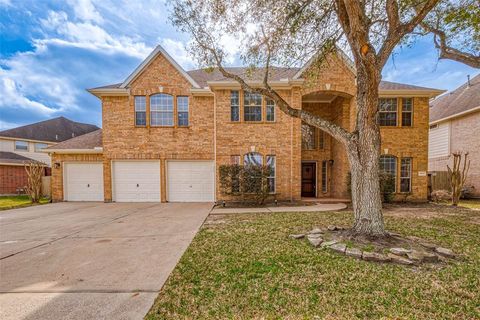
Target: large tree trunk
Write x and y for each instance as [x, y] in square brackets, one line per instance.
[363, 154]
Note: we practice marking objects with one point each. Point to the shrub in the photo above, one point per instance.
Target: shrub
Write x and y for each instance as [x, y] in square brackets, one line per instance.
[245, 182]
[441, 195]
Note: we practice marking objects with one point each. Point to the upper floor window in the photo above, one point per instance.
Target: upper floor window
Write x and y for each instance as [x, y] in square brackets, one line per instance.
[321, 139]
[309, 137]
[406, 175]
[234, 106]
[21, 145]
[161, 110]
[407, 112]
[140, 111]
[182, 111]
[270, 112]
[253, 106]
[387, 115]
[40, 146]
[388, 165]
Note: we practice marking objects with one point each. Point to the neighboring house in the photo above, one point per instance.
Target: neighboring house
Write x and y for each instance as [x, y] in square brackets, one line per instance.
[455, 126]
[22, 144]
[166, 132]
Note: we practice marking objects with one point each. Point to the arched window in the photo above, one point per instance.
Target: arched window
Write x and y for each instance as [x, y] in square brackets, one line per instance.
[388, 165]
[161, 110]
[253, 158]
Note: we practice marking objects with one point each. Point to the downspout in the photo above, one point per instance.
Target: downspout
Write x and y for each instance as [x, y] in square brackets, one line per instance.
[215, 141]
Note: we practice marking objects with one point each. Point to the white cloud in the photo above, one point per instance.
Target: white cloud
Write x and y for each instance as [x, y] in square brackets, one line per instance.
[178, 51]
[6, 3]
[85, 10]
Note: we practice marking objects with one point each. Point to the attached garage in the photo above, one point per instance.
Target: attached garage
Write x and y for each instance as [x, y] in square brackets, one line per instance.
[136, 181]
[83, 181]
[190, 181]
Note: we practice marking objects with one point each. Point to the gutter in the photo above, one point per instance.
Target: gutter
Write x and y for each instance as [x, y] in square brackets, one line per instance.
[109, 92]
[410, 93]
[456, 115]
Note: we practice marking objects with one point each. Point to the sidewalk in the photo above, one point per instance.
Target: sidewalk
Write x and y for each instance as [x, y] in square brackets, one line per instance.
[315, 208]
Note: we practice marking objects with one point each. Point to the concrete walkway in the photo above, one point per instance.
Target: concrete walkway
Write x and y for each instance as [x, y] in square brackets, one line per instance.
[91, 260]
[313, 208]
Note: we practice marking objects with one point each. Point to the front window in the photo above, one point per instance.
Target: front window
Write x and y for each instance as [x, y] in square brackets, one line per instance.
[406, 175]
[388, 165]
[407, 112]
[40, 146]
[252, 106]
[234, 106]
[321, 139]
[387, 115]
[324, 176]
[253, 158]
[140, 111]
[161, 110]
[271, 177]
[270, 110]
[182, 109]
[309, 137]
[21, 145]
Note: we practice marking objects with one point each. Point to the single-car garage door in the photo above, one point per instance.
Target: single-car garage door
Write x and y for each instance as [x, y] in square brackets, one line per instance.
[83, 181]
[191, 181]
[136, 181]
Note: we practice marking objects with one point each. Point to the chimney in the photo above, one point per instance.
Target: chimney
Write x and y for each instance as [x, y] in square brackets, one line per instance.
[468, 81]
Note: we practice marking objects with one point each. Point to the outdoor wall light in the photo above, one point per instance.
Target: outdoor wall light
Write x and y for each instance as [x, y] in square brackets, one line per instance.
[56, 165]
[331, 162]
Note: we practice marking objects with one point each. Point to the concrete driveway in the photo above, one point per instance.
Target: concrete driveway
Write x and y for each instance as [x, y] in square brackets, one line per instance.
[91, 260]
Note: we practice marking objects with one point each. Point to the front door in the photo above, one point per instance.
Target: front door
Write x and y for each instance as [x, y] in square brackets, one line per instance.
[309, 174]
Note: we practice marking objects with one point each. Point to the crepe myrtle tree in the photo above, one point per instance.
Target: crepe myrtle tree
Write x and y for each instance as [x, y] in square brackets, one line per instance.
[288, 32]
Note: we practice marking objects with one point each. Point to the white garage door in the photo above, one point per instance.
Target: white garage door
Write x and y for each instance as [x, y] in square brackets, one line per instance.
[83, 181]
[136, 181]
[191, 181]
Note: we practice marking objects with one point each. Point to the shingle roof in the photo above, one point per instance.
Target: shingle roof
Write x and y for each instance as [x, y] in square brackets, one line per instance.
[457, 101]
[201, 76]
[13, 158]
[54, 130]
[87, 141]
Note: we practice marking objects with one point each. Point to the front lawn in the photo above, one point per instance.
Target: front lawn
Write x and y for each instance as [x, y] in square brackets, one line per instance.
[246, 267]
[10, 202]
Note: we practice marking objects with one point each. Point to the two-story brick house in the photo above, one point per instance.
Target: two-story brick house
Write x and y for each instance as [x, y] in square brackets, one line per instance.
[166, 131]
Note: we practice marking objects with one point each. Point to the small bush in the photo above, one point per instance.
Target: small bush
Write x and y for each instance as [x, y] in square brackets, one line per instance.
[248, 182]
[441, 195]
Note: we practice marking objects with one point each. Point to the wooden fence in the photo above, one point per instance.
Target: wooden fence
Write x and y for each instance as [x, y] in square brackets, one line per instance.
[46, 191]
[438, 180]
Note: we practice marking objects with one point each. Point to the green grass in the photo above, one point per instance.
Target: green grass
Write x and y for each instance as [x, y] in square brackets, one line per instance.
[472, 203]
[10, 202]
[248, 268]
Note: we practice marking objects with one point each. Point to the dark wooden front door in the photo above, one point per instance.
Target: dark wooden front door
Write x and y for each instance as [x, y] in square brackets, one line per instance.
[309, 178]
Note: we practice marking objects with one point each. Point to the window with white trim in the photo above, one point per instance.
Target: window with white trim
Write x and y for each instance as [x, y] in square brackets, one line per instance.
[182, 111]
[406, 175]
[388, 165]
[21, 145]
[161, 110]
[387, 112]
[253, 158]
[234, 106]
[40, 146]
[252, 109]
[271, 179]
[407, 112]
[140, 111]
[270, 112]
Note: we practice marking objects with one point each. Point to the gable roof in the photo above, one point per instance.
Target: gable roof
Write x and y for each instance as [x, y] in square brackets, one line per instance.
[464, 99]
[343, 56]
[89, 141]
[158, 50]
[52, 130]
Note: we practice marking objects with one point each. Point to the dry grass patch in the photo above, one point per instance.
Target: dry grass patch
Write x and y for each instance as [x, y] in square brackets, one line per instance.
[246, 267]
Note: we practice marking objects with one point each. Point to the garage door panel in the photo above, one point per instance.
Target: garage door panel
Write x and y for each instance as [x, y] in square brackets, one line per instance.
[136, 181]
[83, 182]
[191, 181]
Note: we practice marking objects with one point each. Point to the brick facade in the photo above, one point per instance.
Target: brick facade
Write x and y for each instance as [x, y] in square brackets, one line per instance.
[211, 135]
[12, 177]
[464, 136]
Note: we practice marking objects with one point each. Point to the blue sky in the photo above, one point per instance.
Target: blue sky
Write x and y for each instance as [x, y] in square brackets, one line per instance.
[51, 51]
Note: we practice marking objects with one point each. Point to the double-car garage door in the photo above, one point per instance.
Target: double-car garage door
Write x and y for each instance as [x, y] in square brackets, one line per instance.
[140, 181]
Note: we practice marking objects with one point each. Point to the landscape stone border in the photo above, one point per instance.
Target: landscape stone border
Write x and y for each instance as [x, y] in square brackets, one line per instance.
[317, 237]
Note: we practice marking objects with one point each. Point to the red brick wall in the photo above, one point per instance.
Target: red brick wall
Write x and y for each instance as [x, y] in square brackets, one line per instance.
[11, 178]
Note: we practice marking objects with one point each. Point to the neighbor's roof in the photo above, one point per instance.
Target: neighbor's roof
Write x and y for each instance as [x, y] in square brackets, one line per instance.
[13, 158]
[92, 140]
[53, 130]
[462, 100]
[203, 76]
